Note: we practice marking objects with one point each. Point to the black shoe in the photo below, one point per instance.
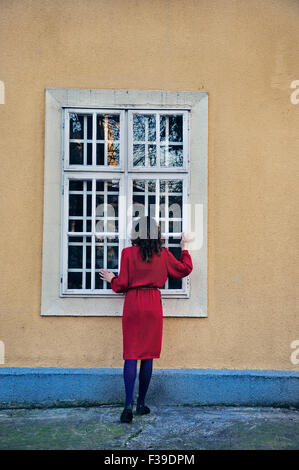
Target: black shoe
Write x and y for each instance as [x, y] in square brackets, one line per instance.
[142, 410]
[127, 415]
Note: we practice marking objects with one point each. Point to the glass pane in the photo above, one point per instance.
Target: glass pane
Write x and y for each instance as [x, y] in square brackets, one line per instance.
[113, 154]
[175, 206]
[171, 156]
[175, 226]
[99, 205]
[151, 127]
[98, 282]
[175, 186]
[76, 153]
[100, 154]
[88, 280]
[174, 240]
[74, 280]
[99, 253]
[138, 205]
[89, 126]
[100, 127]
[75, 225]
[176, 128]
[76, 204]
[108, 127]
[174, 283]
[88, 256]
[139, 155]
[76, 126]
[162, 206]
[76, 185]
[89, 154]
[75, 256]
[175, 156]
[162, 128]
[113, 186]
[163, 156]
[89, 203]
[138, 186]
[113, 129]
[112, 201]
[100, 186]
[152, 155]
[112, 225]
[138, 127]
[112, 257]
[151, 185]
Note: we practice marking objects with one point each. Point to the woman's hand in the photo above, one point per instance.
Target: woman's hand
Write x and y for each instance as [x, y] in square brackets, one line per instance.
[106, 275]
[185, 241]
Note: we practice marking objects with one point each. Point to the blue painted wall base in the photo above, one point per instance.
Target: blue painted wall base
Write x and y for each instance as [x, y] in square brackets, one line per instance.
[168, 386]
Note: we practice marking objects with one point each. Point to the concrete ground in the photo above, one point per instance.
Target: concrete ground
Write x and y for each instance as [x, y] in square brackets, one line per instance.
[175, 427]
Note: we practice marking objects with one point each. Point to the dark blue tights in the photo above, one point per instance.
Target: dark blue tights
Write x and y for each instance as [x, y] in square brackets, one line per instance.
[145, 374]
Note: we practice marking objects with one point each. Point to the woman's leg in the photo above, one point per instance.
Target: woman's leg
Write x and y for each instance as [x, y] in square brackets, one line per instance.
[145, 375]
[129, 374]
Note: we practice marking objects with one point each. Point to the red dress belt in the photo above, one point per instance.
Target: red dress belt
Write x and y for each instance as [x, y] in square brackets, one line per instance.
[155, 288]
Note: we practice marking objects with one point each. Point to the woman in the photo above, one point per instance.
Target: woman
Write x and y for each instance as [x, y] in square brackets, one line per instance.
[144, 269]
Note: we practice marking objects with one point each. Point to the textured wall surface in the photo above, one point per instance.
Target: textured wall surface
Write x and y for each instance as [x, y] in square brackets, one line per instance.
[245, 54]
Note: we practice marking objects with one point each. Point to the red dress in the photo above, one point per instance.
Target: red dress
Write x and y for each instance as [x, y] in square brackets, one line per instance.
[142, 319]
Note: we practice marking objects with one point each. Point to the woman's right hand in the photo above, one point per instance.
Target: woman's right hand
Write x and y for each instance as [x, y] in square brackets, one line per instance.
[185, 241]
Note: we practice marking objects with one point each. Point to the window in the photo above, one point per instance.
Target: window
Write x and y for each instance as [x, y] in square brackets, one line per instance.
[134, 159]
[111, 156]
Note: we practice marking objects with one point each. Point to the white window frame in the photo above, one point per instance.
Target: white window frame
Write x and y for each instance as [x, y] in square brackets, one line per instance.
[195, 103]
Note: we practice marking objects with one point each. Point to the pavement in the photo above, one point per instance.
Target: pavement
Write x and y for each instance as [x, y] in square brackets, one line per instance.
[166, 427]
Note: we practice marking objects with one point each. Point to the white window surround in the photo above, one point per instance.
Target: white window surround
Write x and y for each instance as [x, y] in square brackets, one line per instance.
[56, 99]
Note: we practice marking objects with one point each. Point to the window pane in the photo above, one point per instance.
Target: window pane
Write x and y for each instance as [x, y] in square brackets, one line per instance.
[80, 201]
[138, 127]
[152, 155]
[162, 128]
[76, 126]
[100, 154]
[75, 256]
[98, 282]
[99, 257]
[75, 204]
[175, 283]
[107, 202]
[74, 280]
[151, 127]
[108, 127]
[139, 155]
[112, 257]
[175, 157]
[76, 153]
[176, 128]
[113, 154]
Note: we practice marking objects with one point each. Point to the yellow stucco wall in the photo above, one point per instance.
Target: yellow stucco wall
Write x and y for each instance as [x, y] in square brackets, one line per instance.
[245, 54]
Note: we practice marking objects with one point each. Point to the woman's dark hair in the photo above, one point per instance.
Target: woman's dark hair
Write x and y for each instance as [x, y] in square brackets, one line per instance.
[147, 235]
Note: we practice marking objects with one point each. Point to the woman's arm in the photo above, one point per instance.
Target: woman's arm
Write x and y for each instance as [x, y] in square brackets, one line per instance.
[179, 268]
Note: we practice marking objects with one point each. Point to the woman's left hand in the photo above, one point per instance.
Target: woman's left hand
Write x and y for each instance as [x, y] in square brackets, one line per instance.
[106, 275]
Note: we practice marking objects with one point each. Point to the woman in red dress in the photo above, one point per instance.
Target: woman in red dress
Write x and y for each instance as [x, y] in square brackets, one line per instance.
[144, 269]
